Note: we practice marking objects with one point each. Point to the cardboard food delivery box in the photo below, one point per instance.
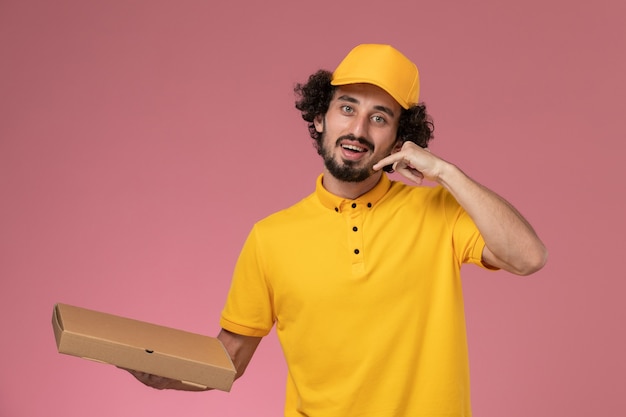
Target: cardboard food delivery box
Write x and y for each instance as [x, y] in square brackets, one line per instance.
[194, 359]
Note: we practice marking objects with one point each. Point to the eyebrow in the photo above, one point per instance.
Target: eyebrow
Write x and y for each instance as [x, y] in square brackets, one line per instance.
[350, 99]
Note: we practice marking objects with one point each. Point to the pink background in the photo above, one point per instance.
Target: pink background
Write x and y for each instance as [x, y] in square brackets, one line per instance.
[140, 140]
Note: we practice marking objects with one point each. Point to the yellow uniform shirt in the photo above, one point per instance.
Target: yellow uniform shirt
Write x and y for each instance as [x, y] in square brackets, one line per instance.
[366, 296]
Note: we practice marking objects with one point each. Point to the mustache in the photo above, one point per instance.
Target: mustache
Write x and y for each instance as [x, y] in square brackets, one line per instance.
[362, 141]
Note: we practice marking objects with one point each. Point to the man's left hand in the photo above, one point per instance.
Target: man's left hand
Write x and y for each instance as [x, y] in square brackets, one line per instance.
[414, 163]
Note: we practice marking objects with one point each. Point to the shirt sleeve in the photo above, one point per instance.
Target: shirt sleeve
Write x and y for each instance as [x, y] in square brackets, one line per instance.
[467, 240]
[249, 307]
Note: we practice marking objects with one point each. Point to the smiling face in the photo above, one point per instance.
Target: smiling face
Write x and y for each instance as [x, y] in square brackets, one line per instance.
[358, 130]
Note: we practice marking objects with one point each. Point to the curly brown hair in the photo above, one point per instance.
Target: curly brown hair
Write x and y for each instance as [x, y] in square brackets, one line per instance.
[313, 99]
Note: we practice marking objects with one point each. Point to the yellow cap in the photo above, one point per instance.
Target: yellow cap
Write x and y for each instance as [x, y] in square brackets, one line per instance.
[383, 66]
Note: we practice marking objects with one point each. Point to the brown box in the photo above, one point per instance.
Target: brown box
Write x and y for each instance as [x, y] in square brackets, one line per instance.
[194, 359]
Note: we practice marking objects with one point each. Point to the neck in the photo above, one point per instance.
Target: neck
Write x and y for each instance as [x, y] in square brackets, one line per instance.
[349, 190]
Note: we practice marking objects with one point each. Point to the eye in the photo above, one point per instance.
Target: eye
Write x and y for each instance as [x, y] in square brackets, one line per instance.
[347, 108]
[379, 119]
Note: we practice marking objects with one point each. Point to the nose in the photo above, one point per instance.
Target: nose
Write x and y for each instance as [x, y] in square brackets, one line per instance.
[358, 127]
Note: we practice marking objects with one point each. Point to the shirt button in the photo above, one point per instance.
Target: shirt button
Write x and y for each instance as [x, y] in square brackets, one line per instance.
[369, 205]
[353, 205]
[355, 228]
[356, 251]
[337, 209]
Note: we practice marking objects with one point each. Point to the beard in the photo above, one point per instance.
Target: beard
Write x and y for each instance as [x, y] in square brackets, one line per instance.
[347, 171]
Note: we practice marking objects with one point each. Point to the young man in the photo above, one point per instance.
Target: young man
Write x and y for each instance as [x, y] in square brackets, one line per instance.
[362, 278]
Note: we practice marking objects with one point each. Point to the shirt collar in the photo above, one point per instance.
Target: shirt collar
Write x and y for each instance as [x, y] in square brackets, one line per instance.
[369, 199]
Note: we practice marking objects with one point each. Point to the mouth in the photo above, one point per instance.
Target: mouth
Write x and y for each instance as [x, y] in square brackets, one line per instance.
[354, 148]
[353, 153]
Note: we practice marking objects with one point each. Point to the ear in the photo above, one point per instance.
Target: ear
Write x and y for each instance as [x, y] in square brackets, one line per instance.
[398, 146]
[319, 123]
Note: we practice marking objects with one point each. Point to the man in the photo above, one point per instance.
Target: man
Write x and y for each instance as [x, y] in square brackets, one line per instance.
[362, 277]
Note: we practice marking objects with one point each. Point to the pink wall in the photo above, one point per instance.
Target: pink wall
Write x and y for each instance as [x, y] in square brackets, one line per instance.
[136, 137]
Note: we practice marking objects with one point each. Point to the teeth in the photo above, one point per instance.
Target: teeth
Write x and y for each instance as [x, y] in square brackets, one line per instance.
[353, 148]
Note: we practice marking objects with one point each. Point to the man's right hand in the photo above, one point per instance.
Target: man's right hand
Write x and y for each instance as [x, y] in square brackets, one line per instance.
[240, 349]
[160, 383]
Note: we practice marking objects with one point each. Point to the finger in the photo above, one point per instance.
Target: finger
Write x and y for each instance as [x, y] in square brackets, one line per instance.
[388, 160]
[408, 172]
[153, 381]
[404, 162]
